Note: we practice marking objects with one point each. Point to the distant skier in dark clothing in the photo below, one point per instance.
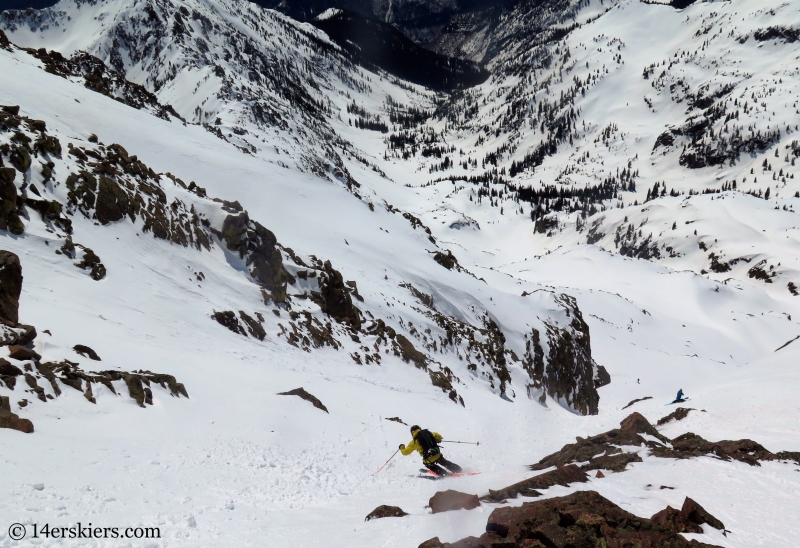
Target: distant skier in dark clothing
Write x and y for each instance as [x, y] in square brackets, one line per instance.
[427, 444]
[679, 397]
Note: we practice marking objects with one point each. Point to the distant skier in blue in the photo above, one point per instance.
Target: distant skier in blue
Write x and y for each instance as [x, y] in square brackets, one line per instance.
[679, 397]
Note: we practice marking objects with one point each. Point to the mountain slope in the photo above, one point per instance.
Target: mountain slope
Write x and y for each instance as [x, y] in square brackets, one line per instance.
[488, 306]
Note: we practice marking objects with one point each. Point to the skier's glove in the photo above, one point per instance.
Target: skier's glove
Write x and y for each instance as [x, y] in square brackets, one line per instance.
[402, 446]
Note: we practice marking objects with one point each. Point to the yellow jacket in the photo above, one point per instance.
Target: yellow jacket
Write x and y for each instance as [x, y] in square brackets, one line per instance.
[414, 445]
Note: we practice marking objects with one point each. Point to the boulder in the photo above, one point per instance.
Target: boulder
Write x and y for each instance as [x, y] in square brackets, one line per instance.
[11, 420]
[21, 353]
[10, 286]
[334, 298]
[255, 328]
[678, 415]
[301, 393]
[600, 474]
[445, 501]
[384, 511]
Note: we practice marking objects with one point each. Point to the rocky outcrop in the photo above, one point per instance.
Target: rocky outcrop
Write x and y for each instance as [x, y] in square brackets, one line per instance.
[257, 247]
[691, 445]
[583, 518]
[597, 449]
[563, 475]
[9, 217]
[445, 501]
[384, 511]
[301, 393]
[567, 373]
[334, 297]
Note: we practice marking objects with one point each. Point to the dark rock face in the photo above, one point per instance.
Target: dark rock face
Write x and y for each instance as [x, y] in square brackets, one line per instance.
[7, 368]
[9, 218]
[445, 501]
[672, 519]
[571, 375]
[563, 475]
[10, 288]
[86, 352]
[384, 511]
[256, 245]
[11, 420]
[447, 260]
[256, 329]
[581, 519]
[334, 298]
[301, 393]
[112, 202]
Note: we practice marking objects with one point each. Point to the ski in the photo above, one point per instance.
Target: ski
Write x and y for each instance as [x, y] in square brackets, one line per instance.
[677, 401]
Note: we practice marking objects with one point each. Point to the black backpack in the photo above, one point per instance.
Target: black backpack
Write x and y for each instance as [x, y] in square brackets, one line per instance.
[428, 443]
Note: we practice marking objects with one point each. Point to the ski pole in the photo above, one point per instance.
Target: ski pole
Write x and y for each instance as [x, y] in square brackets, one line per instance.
[385, 463]
[467, 442]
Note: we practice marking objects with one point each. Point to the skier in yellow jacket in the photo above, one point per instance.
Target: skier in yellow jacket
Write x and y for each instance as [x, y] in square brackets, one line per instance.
[427, 444]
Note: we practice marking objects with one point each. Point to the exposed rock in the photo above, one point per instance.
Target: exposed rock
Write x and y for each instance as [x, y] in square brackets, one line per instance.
[409, 353]
[605, 444]
[254, 327]
[227, 318]
[432, 543]
[21, 353]
[135, 388]
[601, 376]
[112, 202]
[7, 368]
[691, 445]
[563, 475]
[677, 415]
[447, 260]
[9, 218]
[673, 519]
[583, 518]
[600, 474]
[11, 420]
[384, 511]
[38, 390]
[10, 287]
[637, 401]
[86, 352]
[257, 246]
[445, 501]
[395, 419]
[301, 393]
[27, 335]
[615, 463]
[334, 298]
[571, 375]
[695, 513]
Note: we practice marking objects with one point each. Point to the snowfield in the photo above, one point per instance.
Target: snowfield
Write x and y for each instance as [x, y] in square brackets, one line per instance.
[688, 290]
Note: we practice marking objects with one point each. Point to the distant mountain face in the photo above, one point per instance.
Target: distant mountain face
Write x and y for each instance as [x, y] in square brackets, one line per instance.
[379, 44]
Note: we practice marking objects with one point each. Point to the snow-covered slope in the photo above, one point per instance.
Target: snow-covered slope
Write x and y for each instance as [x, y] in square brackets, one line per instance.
[443, 303]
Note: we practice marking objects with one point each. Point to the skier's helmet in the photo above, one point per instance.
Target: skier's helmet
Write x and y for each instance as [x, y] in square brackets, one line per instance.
[414, 429]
